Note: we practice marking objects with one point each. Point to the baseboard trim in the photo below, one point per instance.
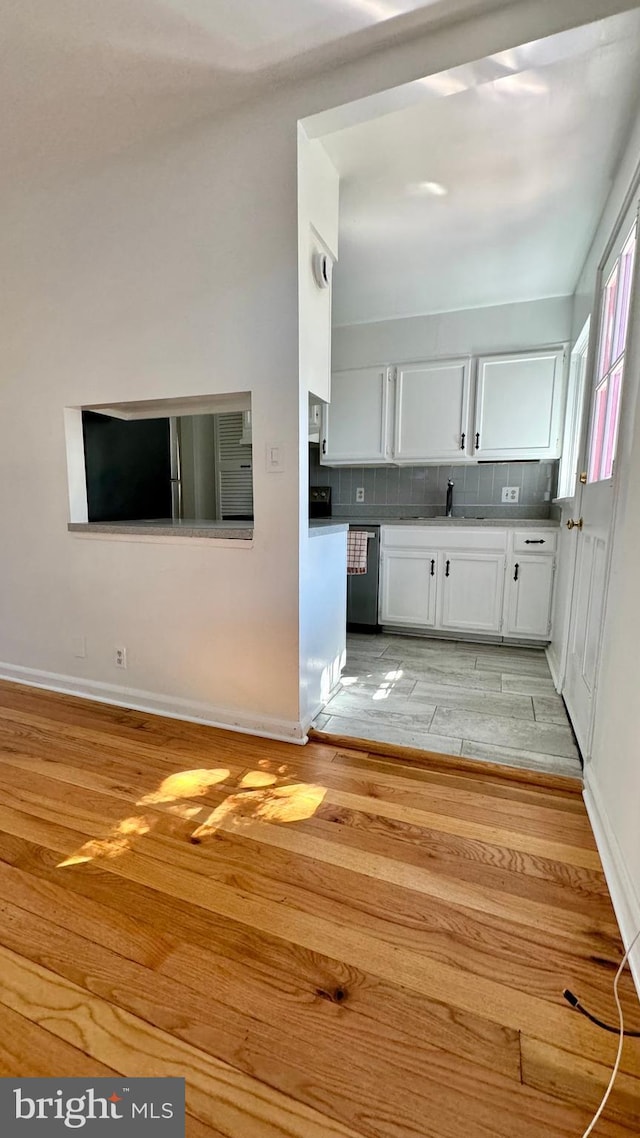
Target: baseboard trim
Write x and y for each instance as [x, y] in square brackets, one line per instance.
[553, 668]
[311, 715]
[625, 899]
[192, 711]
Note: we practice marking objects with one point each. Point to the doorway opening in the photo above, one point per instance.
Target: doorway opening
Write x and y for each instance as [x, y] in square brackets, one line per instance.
[456, 403]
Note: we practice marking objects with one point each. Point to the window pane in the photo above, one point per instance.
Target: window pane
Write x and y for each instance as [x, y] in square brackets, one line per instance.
[624, 296]
[606, 332]
[611, 429]
[597, 432]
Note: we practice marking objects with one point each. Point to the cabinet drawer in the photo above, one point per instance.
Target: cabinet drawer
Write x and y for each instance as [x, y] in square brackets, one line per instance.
[535, 541]
[489, 539]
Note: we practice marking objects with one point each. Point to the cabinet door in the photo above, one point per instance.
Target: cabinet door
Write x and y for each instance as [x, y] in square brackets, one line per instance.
[432, 409]
[408, 587]
[472, 591]
[355, 422]
[529, 592]
[518, 405]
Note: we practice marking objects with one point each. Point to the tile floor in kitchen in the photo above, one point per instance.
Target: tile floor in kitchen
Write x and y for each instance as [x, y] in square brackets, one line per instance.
[483, 701]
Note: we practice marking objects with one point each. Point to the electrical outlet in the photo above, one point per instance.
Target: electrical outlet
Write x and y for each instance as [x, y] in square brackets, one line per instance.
[360, 494]
[121, 657]
[510, 494]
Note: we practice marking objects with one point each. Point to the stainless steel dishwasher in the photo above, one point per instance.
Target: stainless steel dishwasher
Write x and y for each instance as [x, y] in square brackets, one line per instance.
[362, 588]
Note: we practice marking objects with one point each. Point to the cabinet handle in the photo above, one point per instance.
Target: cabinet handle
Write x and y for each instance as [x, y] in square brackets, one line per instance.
[532, 541]
[477, 440]
[515, 574]
[324, 446]
[433, 566]
[462, 441]
[446, 570]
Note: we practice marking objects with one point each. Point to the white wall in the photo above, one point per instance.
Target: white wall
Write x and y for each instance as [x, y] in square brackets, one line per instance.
[323, 619]
[323, 556]
[318, 201]
[174, 272]
[503, 327]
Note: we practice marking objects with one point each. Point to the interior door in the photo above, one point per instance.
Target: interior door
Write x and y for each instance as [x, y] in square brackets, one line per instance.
[432, 408]
[472, 591]
[594, 503]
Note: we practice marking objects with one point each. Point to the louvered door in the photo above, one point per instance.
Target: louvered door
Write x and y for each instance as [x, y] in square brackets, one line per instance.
[234, 468]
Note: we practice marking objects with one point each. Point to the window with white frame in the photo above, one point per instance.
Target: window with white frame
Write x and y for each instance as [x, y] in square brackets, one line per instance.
[573, 424]
[609, 371]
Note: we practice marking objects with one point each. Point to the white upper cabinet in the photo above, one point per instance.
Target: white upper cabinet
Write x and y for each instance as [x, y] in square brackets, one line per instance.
[519, 405]
[356, 422]
[431, 411]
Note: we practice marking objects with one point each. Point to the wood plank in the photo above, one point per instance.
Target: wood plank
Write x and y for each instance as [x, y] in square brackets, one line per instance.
[357, 945]
[433, 760]
[481, 779]
[29, 1051]
[247, 967]
[117, 931]
[534, 960]
[575, 1079]
[412, 1093]
[202, 1020]
[433, 979]
[217, 1095]
[93, 810]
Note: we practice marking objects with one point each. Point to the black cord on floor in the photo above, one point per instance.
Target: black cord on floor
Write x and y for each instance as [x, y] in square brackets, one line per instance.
[575, 1003]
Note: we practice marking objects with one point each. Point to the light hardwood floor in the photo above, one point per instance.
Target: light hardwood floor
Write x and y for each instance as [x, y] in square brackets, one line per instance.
[324, 943]
[490, 702]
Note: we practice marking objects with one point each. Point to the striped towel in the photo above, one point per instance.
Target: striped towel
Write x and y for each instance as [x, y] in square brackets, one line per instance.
[357, 551]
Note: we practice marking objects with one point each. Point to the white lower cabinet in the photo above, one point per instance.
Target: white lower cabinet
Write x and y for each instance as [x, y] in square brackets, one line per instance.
[472, 591]
[479, 581]
[408, 587]
[529, 593]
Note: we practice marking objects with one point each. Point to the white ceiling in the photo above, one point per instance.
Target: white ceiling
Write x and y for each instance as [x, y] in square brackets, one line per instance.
[83, 79]
[525, 145]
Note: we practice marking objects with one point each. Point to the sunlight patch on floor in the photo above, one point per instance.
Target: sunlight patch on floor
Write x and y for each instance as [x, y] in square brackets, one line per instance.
[280, 804]
[255, 797]
[185, 784]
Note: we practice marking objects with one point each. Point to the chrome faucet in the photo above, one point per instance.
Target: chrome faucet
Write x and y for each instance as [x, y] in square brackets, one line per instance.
[449, 505]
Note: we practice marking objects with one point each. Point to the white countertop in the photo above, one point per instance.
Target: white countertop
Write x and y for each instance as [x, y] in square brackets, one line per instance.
[168, 527]
[495, 523]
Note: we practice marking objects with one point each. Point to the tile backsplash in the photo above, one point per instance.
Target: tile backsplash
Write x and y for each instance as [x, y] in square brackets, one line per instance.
[392, 491]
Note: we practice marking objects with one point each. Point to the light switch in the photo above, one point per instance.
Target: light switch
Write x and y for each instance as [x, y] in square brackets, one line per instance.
[275, 458]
